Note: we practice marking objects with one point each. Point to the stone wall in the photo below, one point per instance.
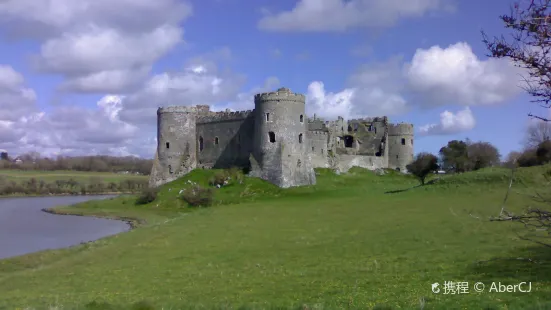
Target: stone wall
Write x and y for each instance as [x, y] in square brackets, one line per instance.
[346, 162]
[318, 148]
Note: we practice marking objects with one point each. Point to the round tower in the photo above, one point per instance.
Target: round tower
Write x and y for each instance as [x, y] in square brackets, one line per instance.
[400, 146]
[280, 142]
[176, 143]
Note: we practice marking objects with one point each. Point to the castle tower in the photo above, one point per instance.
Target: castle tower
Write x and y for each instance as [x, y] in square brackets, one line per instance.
[280, 146]
[400, 146]
[176, 144]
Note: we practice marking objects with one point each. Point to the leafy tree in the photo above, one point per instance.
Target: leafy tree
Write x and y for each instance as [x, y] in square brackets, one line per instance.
[511, 160]
[482, 155]
[454, 156]
[528, 47]
[543, 152]
[423, 165]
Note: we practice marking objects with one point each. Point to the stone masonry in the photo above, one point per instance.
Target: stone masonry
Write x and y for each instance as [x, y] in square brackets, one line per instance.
[275, 141]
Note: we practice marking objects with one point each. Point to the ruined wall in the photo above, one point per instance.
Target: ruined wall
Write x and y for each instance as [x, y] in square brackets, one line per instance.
[280, 141]
[369, 162]
[176, 146]
[224, 139]
[400, 146]
[363, 137]
[318, 147]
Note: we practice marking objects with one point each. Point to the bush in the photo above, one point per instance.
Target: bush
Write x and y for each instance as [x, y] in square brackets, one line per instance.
[198, 196]
[146, 196]
[219, 178]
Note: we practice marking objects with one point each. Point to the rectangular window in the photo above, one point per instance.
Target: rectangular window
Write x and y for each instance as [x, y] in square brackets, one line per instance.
[267, 117]
[167, 145]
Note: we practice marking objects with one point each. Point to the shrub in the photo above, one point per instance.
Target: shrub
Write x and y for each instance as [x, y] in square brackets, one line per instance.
[198, 196]
[146, 196]
[422, 166]
[219, 178]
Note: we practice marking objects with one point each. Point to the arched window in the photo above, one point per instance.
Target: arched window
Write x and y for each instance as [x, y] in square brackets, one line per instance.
[300, 138]
[216, 140]
[200, 144]
[301, 118]
[348, 141]
[267, 117]
[271, 135]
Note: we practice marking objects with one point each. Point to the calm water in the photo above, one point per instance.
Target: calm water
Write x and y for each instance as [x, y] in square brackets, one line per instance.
[24, 228]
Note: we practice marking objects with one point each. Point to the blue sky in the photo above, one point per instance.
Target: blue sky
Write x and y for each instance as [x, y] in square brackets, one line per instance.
[87, 76]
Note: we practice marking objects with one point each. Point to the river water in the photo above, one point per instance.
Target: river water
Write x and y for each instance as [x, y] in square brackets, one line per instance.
[25, 228]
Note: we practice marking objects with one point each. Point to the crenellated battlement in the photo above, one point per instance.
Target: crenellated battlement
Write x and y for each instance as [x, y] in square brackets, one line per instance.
[177, 109]
[318, 133]
[282, 94]
[224, 116]
[400, 129]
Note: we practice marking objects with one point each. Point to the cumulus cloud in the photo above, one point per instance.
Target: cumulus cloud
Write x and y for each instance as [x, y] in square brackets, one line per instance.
[94, 43]
[340, 15]
[16, 99]
[456, 75]
[450, 123]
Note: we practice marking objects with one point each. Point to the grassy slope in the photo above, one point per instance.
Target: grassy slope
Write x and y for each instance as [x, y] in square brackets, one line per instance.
[342, 243]
[79, 176]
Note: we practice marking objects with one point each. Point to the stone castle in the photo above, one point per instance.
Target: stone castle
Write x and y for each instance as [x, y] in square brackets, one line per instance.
[276, 141]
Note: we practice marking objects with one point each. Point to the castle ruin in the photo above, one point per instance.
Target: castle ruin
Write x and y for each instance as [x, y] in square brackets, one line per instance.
[276, 141]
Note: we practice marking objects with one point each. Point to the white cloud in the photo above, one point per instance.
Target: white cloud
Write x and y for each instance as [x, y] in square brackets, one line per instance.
[16, 99]
[97, 45]
[456, 75]
[450, 123]
[340, 15]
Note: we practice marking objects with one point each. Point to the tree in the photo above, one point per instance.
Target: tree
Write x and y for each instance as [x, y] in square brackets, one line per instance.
[455, 156]
[423, 165]
[481, 155]
[537, 133]
[529, 47]
[511, 159]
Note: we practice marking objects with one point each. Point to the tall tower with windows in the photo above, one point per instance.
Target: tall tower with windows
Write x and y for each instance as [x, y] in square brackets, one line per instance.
[400, 146]
[280, 149]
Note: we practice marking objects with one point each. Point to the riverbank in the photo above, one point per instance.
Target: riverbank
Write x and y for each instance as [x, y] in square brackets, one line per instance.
[132, 222]
[67, 194]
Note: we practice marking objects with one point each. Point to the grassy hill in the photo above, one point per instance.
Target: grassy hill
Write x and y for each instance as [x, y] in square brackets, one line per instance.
[354, 241]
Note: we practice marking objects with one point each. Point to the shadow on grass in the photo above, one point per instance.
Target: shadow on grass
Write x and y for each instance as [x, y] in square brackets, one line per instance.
[530, 264]
[433, 181]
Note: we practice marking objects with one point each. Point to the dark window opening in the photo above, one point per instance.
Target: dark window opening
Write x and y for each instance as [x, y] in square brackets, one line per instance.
[375, 130]
[348, 141]
[411, 141]
[403, 141]
[312, 148]
[349, 128]
[396, 156]
[170, 169]
[267, 117]
[342, 128]
[378, 154]
[301, 118]
[271, 134]
[200, 144]
[300, 138]
[168, 145]
[398, 169]
[216, 140]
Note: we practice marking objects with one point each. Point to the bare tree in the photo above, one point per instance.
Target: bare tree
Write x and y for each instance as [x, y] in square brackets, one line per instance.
[537, 133]
[529, 46]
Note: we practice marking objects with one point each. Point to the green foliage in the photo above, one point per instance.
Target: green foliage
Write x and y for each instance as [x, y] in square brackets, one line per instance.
[147, 195]
[197, 196]
[423, 165]
[454, 156]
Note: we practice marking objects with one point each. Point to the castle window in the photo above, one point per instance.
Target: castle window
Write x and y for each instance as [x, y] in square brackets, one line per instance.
[170, 169]
[267, 117]
[411, 141]
[168, 145]
[348, 141]
[301, 118]
[403, 141]
[312, 148]
[300, 138]
[200, 144]
[396, 156]
[216, 140]
[349, 128]
[271, 135]
[398, 169]
[378, 154]
[342, 128]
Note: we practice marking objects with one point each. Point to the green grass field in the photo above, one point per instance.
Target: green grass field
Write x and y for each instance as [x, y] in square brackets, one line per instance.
[79, 176]
[353, 241]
